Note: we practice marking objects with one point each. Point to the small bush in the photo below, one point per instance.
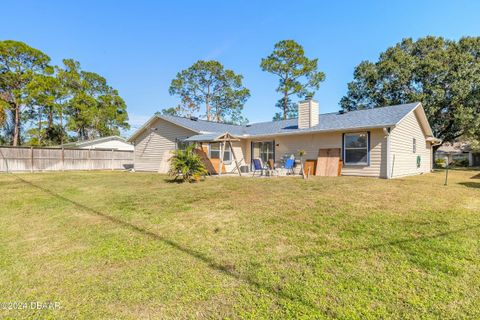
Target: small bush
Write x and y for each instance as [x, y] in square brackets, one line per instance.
[440, 163]
[186, 165]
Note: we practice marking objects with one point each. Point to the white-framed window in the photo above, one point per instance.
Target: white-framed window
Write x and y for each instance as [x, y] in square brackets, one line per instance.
[414, 145]
[356, 148]
[214, 152]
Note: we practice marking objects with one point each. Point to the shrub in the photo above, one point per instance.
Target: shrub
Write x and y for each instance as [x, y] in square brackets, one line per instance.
[186, 165]
[440, 163]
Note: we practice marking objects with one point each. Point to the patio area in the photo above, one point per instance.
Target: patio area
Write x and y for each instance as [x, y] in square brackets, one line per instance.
[220, 158]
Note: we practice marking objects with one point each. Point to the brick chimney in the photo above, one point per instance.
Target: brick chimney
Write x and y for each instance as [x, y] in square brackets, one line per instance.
[307, 113]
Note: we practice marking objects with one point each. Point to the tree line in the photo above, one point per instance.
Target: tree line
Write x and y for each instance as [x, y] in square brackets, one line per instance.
[218, 94]
[63, 103]
[444, 75]
[42, 104]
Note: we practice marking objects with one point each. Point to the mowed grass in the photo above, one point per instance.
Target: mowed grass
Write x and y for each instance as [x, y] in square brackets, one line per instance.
[131, 245]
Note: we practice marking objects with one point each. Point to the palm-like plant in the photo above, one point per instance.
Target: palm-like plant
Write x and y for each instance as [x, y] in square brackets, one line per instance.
[187, 165]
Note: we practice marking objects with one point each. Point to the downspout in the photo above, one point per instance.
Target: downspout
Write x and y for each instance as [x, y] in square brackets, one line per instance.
[386, 131]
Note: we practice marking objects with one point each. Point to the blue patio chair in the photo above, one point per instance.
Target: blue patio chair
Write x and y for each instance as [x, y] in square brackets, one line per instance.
[257, 166]
[289, 165]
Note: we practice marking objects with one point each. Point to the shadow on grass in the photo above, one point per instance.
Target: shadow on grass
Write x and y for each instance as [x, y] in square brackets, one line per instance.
[470, 184]
[180, 181]
[173, 180]
[477, 176]
[225, 269]
[381, 245]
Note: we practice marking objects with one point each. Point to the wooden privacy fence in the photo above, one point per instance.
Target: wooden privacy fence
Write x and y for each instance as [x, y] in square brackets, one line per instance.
[26, 159]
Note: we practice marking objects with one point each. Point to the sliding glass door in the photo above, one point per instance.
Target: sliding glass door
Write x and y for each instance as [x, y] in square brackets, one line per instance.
[264, 150]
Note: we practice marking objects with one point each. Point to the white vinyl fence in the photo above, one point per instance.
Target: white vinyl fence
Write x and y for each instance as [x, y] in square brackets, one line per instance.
[26, 159]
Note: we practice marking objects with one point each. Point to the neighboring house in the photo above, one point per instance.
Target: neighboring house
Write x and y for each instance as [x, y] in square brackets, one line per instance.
[458, 151]
[112, 142]
[382, 142]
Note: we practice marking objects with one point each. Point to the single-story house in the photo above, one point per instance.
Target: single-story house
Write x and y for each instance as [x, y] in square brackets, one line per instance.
[458, 151]
[386, 142]
[111, 142]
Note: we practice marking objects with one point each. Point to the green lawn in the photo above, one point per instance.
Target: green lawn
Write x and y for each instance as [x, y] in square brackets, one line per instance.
[132, 245]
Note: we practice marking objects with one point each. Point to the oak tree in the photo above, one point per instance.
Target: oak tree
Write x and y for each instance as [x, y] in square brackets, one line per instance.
[442, 74]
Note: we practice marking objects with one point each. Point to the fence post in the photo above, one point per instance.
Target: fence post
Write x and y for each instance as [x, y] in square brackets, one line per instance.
[63, 159]
[6, 161]
[89, 159]
[31, 159]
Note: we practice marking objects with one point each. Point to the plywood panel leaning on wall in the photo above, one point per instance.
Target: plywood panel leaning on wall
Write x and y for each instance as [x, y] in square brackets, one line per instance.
[328, 162]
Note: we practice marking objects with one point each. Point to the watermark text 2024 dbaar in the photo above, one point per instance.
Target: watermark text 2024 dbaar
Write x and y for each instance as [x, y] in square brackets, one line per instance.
[30, 305]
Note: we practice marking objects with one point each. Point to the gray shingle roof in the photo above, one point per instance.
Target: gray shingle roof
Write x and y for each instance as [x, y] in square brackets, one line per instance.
[361, 119]
[203, 137]
[203, 126]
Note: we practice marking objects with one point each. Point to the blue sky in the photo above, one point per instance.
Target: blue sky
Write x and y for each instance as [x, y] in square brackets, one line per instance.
[139, 46]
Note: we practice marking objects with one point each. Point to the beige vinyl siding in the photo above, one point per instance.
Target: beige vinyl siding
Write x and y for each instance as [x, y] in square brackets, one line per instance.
[378, 158]
[248, 152]
[312, 142]
[404, 160]
[307, 114]
[304, 117]
[152, 145]
[240, 149]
